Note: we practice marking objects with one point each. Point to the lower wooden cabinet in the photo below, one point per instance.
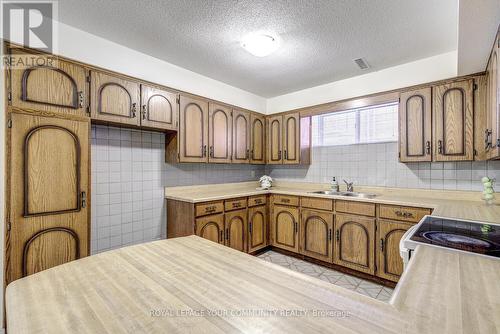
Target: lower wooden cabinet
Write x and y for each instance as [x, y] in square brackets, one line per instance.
[389, 262]
[211, 228]
[316, 234]
[285, 227]
[354, 242]
[236, 230]
[257, 228]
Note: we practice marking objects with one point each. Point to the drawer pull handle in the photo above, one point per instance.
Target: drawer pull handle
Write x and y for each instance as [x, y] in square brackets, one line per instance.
[258, 201]
[236, 205]
[337, 235]
[285, 200]
[399, 213]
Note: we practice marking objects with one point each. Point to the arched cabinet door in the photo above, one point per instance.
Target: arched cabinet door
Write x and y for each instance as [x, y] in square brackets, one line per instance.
[257, 140]
[291, 138]
[241, 136]
[114, 99]
[453, 121]
[354, 242]
[159, 108]
[49, 193]
[316, 234]
[236, 230]
[50, 84]
[257, 228]
[219, 133]
[389, 262]
[274, 140]
[193, 129]
[415, 127]
[492, 132]
[211, 228]
[284, 227]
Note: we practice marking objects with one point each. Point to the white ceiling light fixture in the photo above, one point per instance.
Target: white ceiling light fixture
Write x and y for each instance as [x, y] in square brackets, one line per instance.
[260, 44]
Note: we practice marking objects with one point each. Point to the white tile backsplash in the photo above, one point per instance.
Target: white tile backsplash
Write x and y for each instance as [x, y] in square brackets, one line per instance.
[129, 175]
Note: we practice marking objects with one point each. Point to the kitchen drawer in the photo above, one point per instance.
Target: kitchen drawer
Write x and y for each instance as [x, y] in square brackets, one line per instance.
[235, 204]
[208, 208]
[256, 200]
[317, 203]
[286, 200]
[403, 213]
[355, 208]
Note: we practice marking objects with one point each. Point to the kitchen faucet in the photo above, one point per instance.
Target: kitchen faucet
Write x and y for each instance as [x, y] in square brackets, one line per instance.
[349, 186]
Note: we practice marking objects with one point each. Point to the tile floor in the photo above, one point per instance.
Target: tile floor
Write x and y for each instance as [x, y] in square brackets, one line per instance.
[359, 285]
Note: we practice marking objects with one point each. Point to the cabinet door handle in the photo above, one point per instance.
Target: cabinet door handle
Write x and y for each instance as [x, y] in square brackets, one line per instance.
[227, 234]
[251, 153]
[428, 147]
[487, 139]
[134, 110]
[247, 155]
[80, 99]
[440, 146]
[279, 155]
[83, 198]
[221, 236]
[337, 235]
[143, 111]
[330, 234]
[250, 227]
[204, 151]
[211, 151]
[381, 245]
[296, 227]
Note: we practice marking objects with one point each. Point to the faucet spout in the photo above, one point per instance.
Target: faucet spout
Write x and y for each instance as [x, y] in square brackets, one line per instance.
[349, 185]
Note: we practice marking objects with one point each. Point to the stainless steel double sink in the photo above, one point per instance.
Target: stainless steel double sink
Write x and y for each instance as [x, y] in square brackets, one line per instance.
[344, 193]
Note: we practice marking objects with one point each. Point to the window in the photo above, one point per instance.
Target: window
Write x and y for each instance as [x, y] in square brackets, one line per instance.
[373, 124]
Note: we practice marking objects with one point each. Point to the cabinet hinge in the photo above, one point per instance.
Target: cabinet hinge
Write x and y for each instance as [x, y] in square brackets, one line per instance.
[9, 123]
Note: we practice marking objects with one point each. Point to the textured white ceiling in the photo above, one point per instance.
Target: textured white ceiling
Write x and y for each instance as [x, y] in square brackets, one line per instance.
[320, 38]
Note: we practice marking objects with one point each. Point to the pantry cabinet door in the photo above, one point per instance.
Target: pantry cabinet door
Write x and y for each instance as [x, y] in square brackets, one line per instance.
[258, 139]
[291, 139]
[415, 126]
[316, 233]
[389, 262]
[453, 121]
[220, 133]
[193, 129]
[51, 85]
[114, 99]
[241, 136]
[159, 108]
[274, 140]
[211, 228]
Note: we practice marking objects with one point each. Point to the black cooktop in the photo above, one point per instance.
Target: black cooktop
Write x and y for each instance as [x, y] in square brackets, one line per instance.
[463, 235]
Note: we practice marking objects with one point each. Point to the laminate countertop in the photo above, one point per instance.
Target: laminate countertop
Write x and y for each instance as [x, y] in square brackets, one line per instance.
[452, 204]
[192, 285]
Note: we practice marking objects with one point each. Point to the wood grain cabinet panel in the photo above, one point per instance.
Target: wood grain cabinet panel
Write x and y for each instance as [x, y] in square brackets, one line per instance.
[317, 203]
[257, 228]
[236, 230]
[285, 227]
[355, 242]
[285, 200]
[258, 139]
[453, 121]
[274, 140]
[56, 86]
[114, 99]
[291, 139]
[356, 208]
[159, 108]
[316, 233]
[492, 131]
[389, 262]
[415, 126]
[241, 136]
[49, 193]
[220, 133]
[211, 228]
[193, 129]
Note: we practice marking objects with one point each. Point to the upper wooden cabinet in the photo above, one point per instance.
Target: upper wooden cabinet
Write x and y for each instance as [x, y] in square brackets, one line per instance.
[257, 139]
[284, 139]
[274, 140]
[285, 227]
[159, 108]
[193, 129]
[316, 234]
[453, 121]
[114, 99]
[49, 194]
[291, 139]
[492, 132]
[389, 262]
[415, 125]
[56, 86]
[220, 133]
[241, 136]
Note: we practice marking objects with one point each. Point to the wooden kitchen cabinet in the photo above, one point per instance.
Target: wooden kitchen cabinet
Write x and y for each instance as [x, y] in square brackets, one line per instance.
[415, 125]
[193, 129]
[236, 230]
[453, 121]
[291, 138]
[492, 132]
[211, 228]
[355, 242]
[159, 108]
[285, 227]
[56, 86]
[257, 139]
[389, 262]
[274, 140]
[241, 136]
[284, 139]
[114, 99]
[48, 197]
[220, 133]
[257, 228]
[316, 233]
